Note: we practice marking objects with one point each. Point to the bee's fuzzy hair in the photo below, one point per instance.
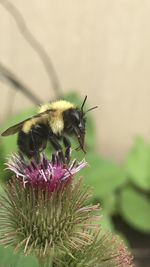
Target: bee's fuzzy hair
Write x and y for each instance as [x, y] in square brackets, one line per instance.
[54, 119]
[60, 105]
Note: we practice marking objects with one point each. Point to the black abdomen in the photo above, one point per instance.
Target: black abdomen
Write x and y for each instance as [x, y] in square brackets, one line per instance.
[34, 141]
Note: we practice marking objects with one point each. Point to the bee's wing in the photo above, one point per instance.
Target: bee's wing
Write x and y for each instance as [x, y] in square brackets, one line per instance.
[17, 127]
[14, 129]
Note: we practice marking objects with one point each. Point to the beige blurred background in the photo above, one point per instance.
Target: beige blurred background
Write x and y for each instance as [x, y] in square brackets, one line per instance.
[100, 48]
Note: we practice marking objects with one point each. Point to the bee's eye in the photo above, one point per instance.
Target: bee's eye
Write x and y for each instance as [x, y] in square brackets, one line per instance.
[76, 120]
[80, 125]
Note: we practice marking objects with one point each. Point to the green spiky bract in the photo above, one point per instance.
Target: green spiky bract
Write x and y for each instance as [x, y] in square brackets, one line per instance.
[44, 223]
[105, 251]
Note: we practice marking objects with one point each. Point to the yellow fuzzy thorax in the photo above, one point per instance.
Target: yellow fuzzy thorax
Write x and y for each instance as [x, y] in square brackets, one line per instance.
[60, 105]
[33, 121]
[55, 119]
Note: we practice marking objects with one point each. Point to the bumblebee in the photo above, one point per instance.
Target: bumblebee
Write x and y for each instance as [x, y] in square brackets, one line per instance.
[55, 121]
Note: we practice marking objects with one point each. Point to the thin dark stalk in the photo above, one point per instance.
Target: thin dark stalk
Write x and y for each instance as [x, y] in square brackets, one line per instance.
[35, 44]
[141, 252]
[8, 76]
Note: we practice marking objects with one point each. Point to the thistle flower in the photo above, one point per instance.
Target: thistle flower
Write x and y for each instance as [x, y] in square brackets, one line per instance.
[45, 175]
[45, 212]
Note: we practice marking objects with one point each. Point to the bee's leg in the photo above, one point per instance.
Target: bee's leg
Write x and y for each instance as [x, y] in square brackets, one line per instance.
[37, 156]
[36, 153]
[53, 140]
[67, 145]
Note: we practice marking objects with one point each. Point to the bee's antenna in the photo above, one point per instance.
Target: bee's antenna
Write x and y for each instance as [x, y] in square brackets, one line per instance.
[91, 109]
[83, 103]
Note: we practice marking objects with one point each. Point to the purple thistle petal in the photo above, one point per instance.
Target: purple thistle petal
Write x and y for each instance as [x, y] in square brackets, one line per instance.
[46, 174]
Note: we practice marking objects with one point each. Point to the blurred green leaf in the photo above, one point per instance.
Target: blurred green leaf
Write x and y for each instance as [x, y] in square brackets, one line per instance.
[106, 222]
[109, 204]
[9, 259]
[102, 175]
[138, 163]
[135, 209]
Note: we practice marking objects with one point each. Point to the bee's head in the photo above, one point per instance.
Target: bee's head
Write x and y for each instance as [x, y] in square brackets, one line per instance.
[74, 124]
[75, 120]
